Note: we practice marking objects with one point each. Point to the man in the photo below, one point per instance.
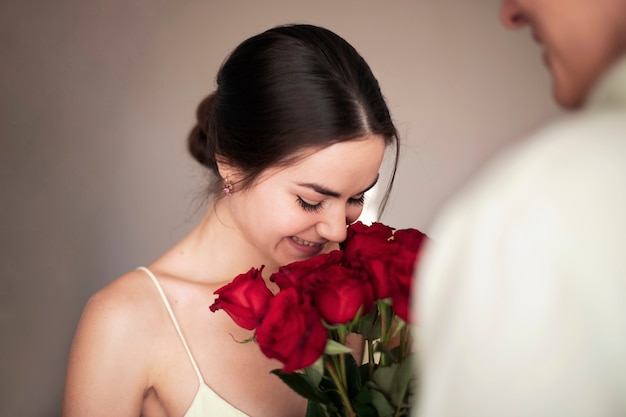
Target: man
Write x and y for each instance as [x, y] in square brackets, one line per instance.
[521, 297]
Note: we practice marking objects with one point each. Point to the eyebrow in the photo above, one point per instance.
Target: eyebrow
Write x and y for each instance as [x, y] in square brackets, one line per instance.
[325, 191]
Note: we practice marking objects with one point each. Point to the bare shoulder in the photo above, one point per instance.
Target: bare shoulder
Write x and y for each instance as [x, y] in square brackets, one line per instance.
[122, 307]
[111, 349]
[130, 293]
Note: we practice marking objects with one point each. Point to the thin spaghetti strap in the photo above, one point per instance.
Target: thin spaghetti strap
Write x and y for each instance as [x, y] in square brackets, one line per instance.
[171, 313]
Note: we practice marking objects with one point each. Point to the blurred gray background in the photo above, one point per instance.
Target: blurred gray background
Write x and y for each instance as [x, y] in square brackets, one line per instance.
[97, 98]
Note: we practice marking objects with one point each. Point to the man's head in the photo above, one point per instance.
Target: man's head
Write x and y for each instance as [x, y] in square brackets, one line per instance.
[580, 40]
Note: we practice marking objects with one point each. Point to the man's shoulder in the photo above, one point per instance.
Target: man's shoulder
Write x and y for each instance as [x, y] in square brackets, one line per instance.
[579, 160]
[585, 145]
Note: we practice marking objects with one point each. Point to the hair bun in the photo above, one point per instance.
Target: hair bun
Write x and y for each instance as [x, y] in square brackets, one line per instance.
[198, 139]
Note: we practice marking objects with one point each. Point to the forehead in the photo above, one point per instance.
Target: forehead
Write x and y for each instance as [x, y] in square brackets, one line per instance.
[344, 148]
[354, 161]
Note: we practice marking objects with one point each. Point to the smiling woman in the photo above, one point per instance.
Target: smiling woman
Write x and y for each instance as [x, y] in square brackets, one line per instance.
[315, 205]
[294, 136]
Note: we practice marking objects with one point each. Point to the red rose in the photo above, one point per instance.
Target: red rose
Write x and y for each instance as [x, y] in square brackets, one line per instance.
[371, 249]
[365, 241]
[408, 243]
[246, 299]
[411, 239]
[378, 271]
[293, 275]
[339, 293]
[292, 331]
[400, 301]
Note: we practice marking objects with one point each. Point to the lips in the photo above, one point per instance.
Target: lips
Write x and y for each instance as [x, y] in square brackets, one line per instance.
[306, 242]
[304, 247]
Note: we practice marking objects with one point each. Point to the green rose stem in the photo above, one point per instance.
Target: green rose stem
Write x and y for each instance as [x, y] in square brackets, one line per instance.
[332, 370]
[342, 332]
[370, 354]
[405, 342]
[384, 330]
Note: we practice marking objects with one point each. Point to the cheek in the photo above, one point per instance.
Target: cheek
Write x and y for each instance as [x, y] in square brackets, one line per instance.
[353, 213]
[288, 218]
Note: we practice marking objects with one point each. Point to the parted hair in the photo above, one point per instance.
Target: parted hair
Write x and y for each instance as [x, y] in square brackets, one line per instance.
[286, 89]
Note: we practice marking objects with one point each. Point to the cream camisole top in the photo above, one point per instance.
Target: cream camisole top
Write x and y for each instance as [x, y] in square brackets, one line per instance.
[206, 402]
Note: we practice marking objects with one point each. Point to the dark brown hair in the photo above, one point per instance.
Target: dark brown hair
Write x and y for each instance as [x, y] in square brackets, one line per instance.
[283, 90]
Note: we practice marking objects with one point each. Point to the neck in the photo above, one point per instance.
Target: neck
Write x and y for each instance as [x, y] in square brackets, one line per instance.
[216, 251]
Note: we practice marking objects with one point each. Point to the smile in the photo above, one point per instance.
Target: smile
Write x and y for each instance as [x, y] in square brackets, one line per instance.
[305, 242]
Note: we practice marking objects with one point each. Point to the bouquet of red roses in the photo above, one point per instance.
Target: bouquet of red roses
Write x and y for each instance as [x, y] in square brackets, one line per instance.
[363, 290]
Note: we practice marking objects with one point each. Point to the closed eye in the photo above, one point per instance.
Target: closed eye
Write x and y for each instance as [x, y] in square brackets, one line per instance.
[357, 201]
[313, 208]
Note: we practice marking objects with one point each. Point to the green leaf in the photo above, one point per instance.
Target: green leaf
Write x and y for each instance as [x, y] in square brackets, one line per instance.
[248, 340]
[399, 325]
[335, 348]
[368, 325]
[364, 372]
[362, 403]
[404, 383]
[383, 378]
[365, 410]
[363, 396]
[315, 409]
[381, 404]
[315, 372]
[302, 385]
[353, 375]
[396, 382]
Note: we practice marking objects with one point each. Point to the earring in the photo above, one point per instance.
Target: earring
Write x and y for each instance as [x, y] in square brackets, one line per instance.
[227, 187]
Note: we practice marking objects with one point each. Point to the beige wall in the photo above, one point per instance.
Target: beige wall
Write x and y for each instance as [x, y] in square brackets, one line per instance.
[98, 96]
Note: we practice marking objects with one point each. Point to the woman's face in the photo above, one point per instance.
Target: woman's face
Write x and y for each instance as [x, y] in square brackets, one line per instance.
[295, 212]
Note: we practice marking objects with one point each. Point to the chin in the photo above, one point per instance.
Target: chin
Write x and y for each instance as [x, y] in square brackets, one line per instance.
[568, 99]
[571, 91]
[568, 104]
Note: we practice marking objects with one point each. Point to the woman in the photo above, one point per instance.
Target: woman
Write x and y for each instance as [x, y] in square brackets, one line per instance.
[294, 134]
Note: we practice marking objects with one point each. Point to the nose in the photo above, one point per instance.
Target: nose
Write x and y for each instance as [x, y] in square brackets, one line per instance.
[333, 226]
[511, 16]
